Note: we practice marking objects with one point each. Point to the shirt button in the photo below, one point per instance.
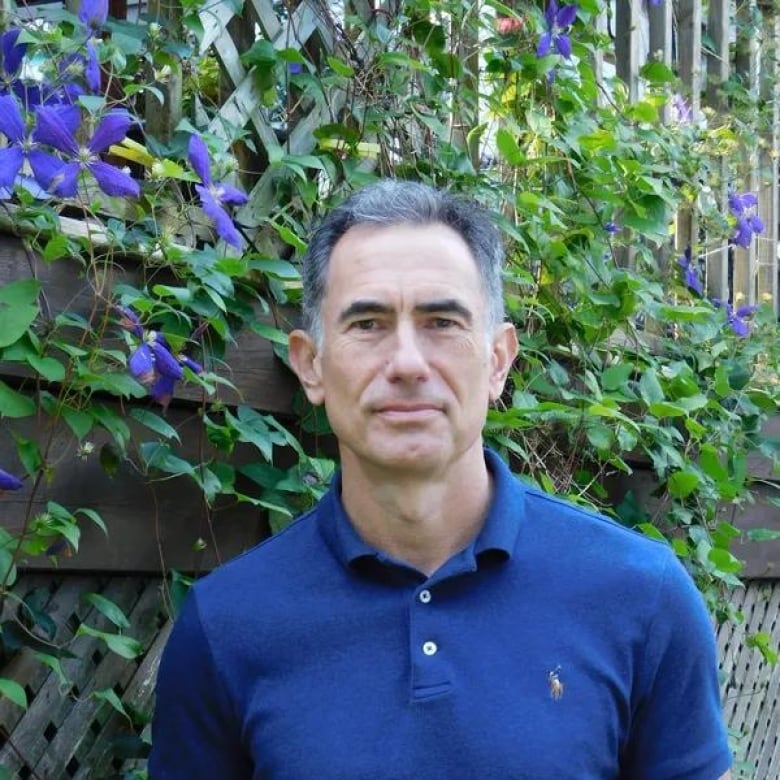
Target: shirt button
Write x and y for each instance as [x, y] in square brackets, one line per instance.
[425, 596]
[429, 648]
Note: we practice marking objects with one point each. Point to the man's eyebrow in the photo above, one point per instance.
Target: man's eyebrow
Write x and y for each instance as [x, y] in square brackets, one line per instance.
[363, 307]
[445, 306]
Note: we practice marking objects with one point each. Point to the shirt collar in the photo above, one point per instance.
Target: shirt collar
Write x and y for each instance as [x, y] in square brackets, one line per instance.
[498, 536]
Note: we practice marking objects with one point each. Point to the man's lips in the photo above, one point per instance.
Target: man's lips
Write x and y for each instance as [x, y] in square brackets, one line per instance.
[408, 411]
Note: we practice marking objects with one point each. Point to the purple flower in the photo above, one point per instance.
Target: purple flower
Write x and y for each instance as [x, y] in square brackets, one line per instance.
[748, 223]
[130, 321]
[153, 359]
[111, 130]
[214, 196]
[162, 389]
[737, 320]
[681, 111]
[23, 145]
[12, 55]
[691, 272]
[9, 481]
[555, 38]
[611, 228]
[93, 14]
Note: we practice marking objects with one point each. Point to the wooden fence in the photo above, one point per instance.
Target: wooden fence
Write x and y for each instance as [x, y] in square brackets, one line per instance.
[75, 736]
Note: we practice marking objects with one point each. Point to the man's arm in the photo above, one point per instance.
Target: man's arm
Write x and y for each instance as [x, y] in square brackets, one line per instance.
[194, 732]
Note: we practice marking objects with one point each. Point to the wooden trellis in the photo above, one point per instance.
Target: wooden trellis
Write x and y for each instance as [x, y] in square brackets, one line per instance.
[674, 33]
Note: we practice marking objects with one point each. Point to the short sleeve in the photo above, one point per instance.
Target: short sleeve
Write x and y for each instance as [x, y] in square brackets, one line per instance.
[195, 733]
[677, 728]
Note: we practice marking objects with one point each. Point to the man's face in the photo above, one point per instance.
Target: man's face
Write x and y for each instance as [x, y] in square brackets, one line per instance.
[406, 368]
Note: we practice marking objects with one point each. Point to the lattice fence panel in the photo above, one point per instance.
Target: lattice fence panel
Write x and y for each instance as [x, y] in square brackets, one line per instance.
[66, 732]
[311, 26]
[751, 690]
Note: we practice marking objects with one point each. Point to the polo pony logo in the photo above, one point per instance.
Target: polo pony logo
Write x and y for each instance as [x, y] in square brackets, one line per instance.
[556, 684]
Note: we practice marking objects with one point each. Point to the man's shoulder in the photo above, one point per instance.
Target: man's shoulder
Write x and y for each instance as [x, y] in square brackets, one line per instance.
[285, 555]
[560, 520]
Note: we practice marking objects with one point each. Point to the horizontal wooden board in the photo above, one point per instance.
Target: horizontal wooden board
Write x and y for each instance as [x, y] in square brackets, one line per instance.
[761, 559]
[153, 524]
[261, 378]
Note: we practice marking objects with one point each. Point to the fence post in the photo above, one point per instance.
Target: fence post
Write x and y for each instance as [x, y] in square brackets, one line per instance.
[162, 118]
[747, 68]
[718, 71]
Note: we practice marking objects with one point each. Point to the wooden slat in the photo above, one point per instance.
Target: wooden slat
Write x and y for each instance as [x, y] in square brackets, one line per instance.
[630, 43]
[153, 524]
[260, 377]
[752, 688]
[75, 738]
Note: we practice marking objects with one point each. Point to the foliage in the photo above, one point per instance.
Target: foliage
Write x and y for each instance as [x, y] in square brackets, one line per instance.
[626, 362]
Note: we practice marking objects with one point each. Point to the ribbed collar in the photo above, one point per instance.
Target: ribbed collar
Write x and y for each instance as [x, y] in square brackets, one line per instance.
[497, 539]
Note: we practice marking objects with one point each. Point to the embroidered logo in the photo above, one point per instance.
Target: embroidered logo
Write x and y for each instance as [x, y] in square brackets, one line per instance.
[556, 684]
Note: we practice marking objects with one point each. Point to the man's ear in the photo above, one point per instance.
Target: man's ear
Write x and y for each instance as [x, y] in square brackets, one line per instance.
[502, 357]
[306, 364]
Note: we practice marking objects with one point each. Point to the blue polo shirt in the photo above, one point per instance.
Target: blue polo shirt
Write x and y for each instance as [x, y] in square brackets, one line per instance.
[557, 645]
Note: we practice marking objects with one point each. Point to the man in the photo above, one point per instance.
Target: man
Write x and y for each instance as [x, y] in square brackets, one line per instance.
[431, 618]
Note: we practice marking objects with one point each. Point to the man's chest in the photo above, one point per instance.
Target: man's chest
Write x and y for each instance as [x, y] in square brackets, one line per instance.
[441, 704]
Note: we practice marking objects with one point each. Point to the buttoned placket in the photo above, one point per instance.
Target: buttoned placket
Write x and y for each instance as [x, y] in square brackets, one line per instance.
[429, 666]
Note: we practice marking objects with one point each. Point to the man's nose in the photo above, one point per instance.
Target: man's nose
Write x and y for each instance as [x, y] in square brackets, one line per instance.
[408, 359]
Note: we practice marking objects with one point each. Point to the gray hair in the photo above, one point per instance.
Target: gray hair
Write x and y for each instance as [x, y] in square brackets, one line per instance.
[394, 202]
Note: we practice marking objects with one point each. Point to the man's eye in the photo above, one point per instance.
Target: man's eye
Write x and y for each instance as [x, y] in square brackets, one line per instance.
[443, 323]
[364, 325]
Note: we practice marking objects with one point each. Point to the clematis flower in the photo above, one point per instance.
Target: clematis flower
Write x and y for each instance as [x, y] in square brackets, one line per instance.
[738, 320]
[93, 14]
[153, 359]
[215, 196]
[9, 481]
[558, 20]
[129, 320]
[86, 158]
[690, 272]
[24, 145]
[680, 110]
[743, 207]
[12, 54]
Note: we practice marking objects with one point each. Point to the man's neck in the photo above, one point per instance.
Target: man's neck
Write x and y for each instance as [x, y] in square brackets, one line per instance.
[414, 518]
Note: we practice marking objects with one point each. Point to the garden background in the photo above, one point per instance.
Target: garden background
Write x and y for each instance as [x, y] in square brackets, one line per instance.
[161, 168]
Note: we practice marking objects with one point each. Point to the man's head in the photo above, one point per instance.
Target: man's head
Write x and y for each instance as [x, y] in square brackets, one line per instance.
[393, 202]
[404, 346]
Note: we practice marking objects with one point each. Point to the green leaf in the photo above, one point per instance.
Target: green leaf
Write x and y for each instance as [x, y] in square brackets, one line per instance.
[18, 309]
[107, 608]
[711, 465]
[763, 535]
[657, 73]
[615, 377]
[724, 561]
[683, 483]
[56, 247]
[49, 368]
[78, 421]
[648, 529]
[270, 332]
[55, 664]
[154, 422]
[159, 456]
[650, 388]
[124, 646]
[109, 695]
[340, 67]
[508, 147]
[94, 517]
[13, 404]
[13, 691]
